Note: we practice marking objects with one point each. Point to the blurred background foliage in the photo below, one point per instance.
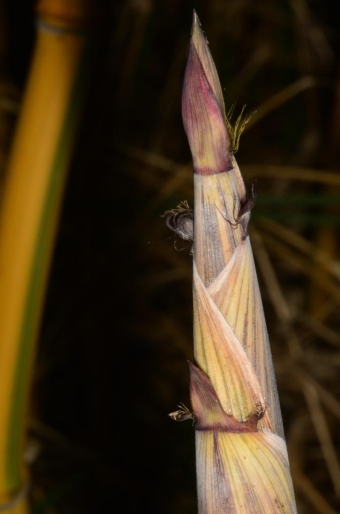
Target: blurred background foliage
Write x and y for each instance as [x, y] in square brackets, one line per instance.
[117, 328]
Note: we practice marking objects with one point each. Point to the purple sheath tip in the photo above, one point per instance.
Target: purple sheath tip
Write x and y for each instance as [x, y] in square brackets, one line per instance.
[203, 111]
[208, 410]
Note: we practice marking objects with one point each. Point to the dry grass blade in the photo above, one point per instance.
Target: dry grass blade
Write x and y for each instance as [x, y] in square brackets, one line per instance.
[293, 239]
[332, 404]
[281, 98]
[323, 433]
[313, 324]
[314, 497]
[328, 399]
[297, 447]
[176, 183]
[293, 173]
[302, 264]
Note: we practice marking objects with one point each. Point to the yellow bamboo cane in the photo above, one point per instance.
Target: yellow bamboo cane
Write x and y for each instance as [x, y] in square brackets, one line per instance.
[29, 214]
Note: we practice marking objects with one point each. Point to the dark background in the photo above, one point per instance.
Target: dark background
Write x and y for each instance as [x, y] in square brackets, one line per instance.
[117, 327]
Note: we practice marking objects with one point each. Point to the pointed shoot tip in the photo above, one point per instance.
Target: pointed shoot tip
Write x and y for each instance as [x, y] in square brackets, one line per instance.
[196, 24]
